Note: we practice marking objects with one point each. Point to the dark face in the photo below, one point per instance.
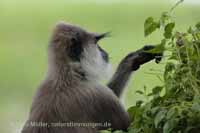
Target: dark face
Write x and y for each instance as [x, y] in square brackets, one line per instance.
[78, 46]
[103, 52]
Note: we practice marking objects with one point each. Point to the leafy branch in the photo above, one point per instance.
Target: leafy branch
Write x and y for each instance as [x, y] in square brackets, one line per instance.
[178, 109]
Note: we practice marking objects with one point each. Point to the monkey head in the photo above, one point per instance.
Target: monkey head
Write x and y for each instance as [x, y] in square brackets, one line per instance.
[73, 47]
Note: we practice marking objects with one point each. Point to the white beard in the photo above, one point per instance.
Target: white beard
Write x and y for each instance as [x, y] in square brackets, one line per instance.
[94, 65]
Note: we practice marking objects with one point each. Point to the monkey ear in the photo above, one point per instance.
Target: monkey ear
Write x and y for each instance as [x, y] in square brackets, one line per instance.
[101, 36]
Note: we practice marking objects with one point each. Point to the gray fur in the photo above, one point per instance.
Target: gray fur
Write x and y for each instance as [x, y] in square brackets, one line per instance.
[68, 93]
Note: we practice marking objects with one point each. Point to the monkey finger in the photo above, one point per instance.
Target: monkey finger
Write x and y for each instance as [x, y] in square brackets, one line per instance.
[157, 56]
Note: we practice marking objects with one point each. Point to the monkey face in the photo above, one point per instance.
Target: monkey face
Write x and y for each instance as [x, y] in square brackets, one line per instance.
[74, 44]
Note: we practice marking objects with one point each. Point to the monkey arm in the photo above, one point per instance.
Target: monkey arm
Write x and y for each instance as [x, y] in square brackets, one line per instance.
[119, 80]
[130, 63]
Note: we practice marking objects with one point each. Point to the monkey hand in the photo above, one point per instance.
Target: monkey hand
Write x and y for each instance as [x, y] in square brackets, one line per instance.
[134, 60]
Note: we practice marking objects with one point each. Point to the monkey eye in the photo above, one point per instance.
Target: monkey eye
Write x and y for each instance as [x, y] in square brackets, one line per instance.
[101, 36]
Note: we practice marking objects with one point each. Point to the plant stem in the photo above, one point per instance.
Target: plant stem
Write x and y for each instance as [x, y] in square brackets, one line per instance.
[179, 2]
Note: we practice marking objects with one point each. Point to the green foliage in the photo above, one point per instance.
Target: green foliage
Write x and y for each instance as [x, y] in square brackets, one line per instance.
[150, 26]
[177, 110]
[168, 30]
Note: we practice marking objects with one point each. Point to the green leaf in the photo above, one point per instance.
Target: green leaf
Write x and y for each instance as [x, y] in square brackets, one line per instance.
[196, 107]
[119, 131]
[173, 56]
[134, 130]
[150, 94]
[198, 25]
[190, 30]
[168, 30]
[105, 131]
[159, 117]
[150, 26]
[155, 110]
[139, 92]
[158, 48]
[171, 113]
[164, 18]
[139, 103]
[169, 67]
[132, 112]
[157, 89]
[169, 125]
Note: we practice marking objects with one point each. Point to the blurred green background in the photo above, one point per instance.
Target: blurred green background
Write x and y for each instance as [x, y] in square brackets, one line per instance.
[25, 27]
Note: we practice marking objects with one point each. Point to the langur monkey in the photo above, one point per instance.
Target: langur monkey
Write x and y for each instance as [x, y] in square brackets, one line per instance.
[71, 91]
